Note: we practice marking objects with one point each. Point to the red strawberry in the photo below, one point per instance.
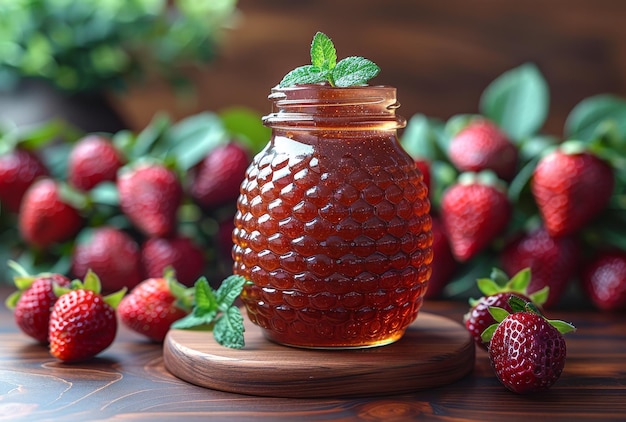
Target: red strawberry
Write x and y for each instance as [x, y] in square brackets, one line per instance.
[604, 280]
[46, 217]
[474, 212]
[153, 305]
[83, 323]
[180, 253]
[150, 195]
[93, 159]
[19, 168]
[526, 351]
[481, 145]
[443, 265]
[552, 261]
[112, 254]
[33, 301]
[571, 187]
[217, 178]
[497, 291]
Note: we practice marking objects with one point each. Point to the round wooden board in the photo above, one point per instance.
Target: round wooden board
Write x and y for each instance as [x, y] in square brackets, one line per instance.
[433, 352]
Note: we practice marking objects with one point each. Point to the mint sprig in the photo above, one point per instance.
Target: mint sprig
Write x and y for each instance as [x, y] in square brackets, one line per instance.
[214, 310]
[351, 71]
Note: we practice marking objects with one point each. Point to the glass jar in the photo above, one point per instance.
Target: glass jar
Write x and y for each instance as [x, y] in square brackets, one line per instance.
[332, 226]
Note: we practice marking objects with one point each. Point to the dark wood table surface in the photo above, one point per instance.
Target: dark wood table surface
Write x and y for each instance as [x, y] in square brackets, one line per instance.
[128, 381]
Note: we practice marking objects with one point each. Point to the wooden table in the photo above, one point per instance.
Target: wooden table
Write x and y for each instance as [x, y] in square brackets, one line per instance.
[128, 381]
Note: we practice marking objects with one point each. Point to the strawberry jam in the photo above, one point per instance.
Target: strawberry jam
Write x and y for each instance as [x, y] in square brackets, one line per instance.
[332, 226]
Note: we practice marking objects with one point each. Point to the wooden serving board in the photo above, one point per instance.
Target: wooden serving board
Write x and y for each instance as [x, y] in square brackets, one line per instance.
[433, 352]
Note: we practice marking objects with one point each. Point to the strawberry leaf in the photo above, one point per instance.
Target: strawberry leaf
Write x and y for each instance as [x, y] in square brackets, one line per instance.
[498, 313]
[562, 326]
[540, 296]
[520, 281]
[517, 101]
[488, 286]
[92, 282]
[586, 120]
[13, 298]
[114, 299]
[488, 333]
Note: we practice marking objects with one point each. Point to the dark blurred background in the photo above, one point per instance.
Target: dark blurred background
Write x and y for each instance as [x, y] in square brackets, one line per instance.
[439, 54]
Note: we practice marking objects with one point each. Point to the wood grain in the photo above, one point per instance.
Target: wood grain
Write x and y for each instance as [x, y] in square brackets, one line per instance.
[434, 351]
[129, 382]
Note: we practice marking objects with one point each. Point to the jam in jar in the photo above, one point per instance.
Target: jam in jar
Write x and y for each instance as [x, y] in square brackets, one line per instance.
[332, 228]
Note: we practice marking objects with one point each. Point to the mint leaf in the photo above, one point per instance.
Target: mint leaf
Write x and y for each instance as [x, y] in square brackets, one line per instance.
[215, 311]
[324, 67]
[353, 71]
[308, 74]
[204, 297]
[229, 329]
[229, 290]
[323, 53]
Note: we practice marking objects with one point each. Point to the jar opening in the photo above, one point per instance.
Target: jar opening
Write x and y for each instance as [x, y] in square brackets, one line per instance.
[323, 106]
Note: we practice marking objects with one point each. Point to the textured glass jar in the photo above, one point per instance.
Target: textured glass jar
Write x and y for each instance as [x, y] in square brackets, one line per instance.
[332, 226]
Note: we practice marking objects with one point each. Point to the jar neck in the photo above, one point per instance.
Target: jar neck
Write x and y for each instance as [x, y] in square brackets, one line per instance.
[323, 107]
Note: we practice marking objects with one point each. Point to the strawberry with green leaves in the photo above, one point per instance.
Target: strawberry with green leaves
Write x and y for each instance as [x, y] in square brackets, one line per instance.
[497, 291]
[48, 214]
[19, 168]
[149, 195]
[475, 210]
[526, 350]
[604, 280]
[33, 301]
[552, 260]
[571, 186]
[93, 160]
[482, 145]
[83, 322]
[111, 253]
[179, 252]
[216, 179]
[154, 305]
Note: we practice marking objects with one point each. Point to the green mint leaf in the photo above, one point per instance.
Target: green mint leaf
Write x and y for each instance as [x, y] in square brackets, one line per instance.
[229, 329]
[193, 320]
[353, 71]
[323, 53]
[205, 299]
[307, 74]
[229, 290]
[324, 67]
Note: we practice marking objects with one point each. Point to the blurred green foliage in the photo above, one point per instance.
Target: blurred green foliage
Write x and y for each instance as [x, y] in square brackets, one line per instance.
[88, 45]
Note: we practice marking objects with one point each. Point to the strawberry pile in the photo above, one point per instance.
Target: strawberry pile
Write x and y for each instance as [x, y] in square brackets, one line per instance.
[506, 195]
[125, 205]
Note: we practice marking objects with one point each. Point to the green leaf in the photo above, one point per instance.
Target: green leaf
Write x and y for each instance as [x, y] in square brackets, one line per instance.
[487, 286]
[229, 290]
[540, 296]
[518, 304]
[307, 74]
[520, 281]
[114, 299]
[353, 71]
[499, 314]
[148, 137]
[419, 139]
[323, 53]
[246, 125]
[205, 300]
[92, 281]
[562, 326]
[191, 139]
[517, 101]
[105, 193]
[13, 298]
[229, 329]
[193, 321]
[488, 333]
[587, 118]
